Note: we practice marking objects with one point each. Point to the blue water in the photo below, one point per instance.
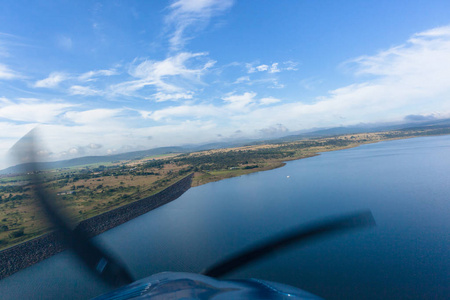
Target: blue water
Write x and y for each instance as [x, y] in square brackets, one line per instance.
[405, 183]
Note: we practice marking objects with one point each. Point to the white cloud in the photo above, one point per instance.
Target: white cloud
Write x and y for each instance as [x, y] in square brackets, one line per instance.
[262, 68]
[84, 91]
[250, 68]
[171, 66]
[268, 100]
[443, 31]
[290, 66]
[52, 80]
[191, 14]
[240, 102]
[32, 110]
[92, 116]
[115, 138]
[242, 79]
[11, 132]
[274, 68]
[5, 100]
[94, 146]
[233, 105]
[168, 75]
[275, 130]
[183, 111]
[7, 73]
[425, 52]
[160, 97]
[74, 151]
[91, 75]
[266, 82]
[83, 140]
[94, 132]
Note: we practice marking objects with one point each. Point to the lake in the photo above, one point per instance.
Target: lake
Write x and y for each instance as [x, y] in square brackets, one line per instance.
[405, 183]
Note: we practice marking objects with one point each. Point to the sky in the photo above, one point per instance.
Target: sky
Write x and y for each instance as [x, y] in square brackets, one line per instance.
[105, 77]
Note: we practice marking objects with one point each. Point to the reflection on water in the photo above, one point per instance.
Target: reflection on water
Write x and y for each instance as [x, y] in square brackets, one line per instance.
[405, 183]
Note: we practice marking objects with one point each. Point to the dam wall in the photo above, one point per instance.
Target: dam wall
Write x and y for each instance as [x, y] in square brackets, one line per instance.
[23, 255]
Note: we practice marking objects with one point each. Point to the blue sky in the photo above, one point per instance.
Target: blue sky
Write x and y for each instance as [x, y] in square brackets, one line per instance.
[112, 76]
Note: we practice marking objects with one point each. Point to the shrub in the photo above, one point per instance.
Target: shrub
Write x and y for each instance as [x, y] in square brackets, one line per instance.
[16, 234]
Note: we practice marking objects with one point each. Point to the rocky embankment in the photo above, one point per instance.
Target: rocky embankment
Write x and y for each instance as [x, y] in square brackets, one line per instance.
[33, 251]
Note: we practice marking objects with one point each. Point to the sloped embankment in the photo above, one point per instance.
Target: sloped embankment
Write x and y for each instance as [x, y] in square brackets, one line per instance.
[23, 255]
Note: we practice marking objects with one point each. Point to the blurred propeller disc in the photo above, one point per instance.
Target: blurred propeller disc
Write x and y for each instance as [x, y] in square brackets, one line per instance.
[300, 235]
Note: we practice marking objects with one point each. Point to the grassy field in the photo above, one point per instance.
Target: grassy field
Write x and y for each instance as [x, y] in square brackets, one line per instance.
[88, 190]
[79, 194]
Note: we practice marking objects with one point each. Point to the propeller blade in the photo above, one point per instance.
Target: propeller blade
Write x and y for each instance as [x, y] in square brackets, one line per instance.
[302, 234]
[110, 270]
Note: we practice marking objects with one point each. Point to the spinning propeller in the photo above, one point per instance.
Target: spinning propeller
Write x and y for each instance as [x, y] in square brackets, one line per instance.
[109, 269]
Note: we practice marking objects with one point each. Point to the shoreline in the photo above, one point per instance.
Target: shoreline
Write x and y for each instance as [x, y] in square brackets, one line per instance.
[282, 163]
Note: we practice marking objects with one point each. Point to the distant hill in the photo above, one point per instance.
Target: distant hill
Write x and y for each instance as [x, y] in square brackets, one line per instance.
[219, 145]
[92, 160]
[441, 123]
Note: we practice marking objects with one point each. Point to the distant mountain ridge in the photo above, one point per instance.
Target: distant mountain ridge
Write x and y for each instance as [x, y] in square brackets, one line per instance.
[365, 128]
[439, 123]
[85, 160]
